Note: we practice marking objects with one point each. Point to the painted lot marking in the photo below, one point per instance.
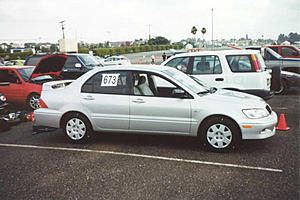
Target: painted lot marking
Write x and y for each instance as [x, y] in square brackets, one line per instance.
[143, 156]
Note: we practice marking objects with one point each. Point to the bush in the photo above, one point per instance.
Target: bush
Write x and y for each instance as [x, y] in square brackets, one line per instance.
[83, 50]
[17, 55]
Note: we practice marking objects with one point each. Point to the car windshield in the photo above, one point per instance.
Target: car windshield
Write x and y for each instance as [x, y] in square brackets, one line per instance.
[26, 73]
[89, 60]
[186, 81]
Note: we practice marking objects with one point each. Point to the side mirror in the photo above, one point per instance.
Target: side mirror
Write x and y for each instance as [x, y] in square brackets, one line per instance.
[179, 93]
[78, 65]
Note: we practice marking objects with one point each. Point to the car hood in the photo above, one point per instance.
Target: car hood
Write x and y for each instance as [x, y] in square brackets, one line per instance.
[49, 65]
[237, 98]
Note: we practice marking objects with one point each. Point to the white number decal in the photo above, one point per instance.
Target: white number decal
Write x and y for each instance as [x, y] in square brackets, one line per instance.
[110, 79]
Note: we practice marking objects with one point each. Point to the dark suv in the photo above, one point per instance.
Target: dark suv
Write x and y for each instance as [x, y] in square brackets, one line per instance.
[76, 64]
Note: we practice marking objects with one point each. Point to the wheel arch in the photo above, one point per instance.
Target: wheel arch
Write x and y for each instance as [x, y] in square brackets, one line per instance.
[74, 112]
[215, 116]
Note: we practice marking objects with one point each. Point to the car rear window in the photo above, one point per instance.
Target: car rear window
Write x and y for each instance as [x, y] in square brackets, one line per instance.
[240, 63]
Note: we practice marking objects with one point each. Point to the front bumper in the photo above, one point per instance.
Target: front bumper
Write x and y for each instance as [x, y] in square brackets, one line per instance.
[260, 129]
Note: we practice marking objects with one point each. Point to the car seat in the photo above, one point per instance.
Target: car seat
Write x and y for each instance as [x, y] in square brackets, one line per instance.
[144, 87]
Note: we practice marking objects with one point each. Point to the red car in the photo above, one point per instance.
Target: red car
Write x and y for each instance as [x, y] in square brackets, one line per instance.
[24, 83]
[286, 51]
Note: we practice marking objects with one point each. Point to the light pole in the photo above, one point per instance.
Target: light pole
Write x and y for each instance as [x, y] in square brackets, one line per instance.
[63, 28]
[149, 25]
[212, 28]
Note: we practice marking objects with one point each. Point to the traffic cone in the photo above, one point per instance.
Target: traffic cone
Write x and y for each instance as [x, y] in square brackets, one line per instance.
[139, 61]
[282, 124]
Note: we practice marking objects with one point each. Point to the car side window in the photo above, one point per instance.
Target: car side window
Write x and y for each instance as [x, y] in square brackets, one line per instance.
[150, 84]
[274, 49]
[71, 61]
[180, 63]
[240, 63]
[207, 65]
[9, 76]
[288, 51]
[110, 82]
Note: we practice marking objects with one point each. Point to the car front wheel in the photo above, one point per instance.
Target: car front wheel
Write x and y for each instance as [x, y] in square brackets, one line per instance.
[220, 133]
[76, 127]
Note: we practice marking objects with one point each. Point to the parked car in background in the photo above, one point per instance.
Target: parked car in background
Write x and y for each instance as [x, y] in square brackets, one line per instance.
[286, 51]
[75, 66]
[152, 99]
[23, 84]
[116, 60]
[288, 80]
[100, 59]
[14, 62]
[240, 70]
[273, 59]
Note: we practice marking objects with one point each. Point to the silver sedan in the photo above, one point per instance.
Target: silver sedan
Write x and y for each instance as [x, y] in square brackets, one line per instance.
[152, 99]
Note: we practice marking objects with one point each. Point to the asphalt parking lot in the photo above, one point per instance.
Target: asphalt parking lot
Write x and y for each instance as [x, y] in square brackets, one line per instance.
[118, 166]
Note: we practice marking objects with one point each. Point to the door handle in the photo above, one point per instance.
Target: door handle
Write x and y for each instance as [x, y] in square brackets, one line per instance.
[138, 101]
[88, 97]
[219, 79]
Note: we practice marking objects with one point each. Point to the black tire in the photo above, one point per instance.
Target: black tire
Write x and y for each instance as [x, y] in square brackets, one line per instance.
[283, 87]
[76, 128]
[33, 101]
[220, 134]
[275, 80]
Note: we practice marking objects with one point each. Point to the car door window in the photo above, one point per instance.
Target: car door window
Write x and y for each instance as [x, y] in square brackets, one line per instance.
[274, 49]
[150, 84]
[180, 63]
[71, 61]
[206, 65]
[110, 82]
[9, 76]
[288, 51]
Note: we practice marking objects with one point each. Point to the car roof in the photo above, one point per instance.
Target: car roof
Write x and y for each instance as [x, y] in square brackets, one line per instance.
[16, 67]
[135, 67]
[220, 53]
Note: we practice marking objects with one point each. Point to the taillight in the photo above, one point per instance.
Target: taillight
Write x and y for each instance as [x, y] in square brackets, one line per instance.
[256, 63]
[3, 98]
[42, 104]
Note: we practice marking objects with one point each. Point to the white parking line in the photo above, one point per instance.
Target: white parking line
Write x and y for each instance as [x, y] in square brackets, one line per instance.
[143, 156]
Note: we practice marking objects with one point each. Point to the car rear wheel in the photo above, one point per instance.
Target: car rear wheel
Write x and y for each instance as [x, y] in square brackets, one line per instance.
[283, 87]
[76, 127]
[220, 133]
[33, 101]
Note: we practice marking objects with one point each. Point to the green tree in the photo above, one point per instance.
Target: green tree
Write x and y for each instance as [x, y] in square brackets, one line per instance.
[159, 40]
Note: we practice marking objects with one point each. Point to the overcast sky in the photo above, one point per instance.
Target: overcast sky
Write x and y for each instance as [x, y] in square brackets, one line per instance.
[120, 20]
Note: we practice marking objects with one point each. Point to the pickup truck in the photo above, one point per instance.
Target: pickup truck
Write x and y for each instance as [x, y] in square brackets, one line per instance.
[286, 51]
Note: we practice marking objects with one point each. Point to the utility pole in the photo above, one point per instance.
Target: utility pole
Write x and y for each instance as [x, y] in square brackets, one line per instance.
[149, 25]
[63, 28]
[212, 28]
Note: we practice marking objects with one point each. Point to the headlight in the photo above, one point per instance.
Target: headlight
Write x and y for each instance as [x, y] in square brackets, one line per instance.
[255, 113]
